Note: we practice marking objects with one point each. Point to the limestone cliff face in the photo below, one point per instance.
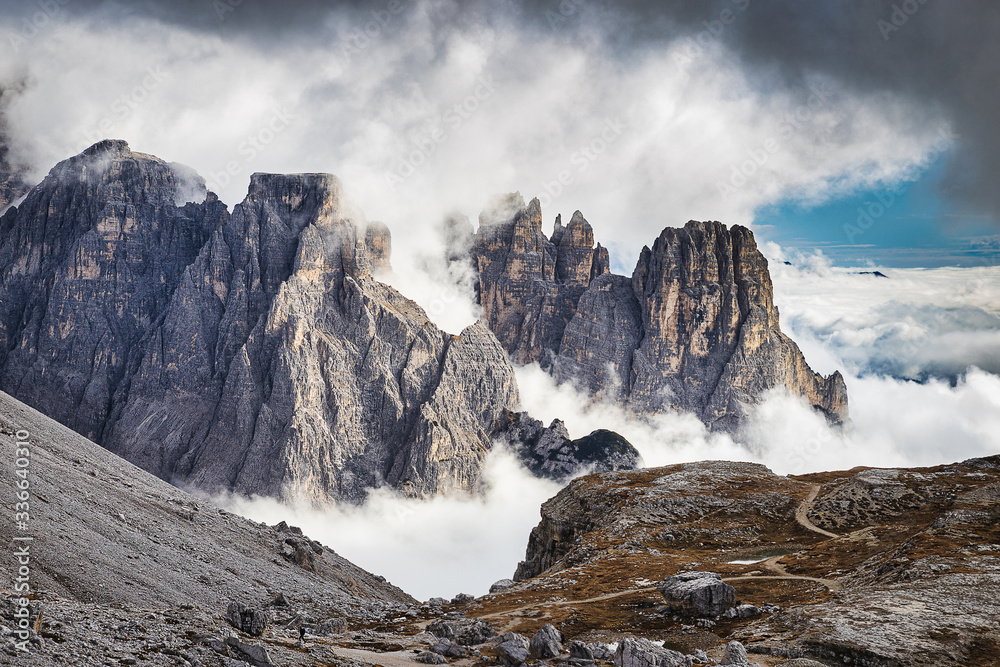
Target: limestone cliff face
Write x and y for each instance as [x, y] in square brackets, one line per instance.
[12, 184]
[88, 263]
[378, 243]
[284, 368]
[550, 452]
[253, 351]
[694, 329]
[712, 343]
[528, 285]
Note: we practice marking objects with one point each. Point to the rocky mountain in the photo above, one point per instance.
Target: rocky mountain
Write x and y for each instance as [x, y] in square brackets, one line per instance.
[695, 327]
[122, 564]
[251, 351]
[697, 564]
[529, 285]
[880, 567]
[12, 184]
[550, 452]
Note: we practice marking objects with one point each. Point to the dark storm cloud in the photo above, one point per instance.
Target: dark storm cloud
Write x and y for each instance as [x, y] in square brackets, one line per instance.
[944, 56]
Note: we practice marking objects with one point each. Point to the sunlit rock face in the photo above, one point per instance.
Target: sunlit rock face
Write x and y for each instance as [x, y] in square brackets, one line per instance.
[251, 351]
[88, 264]
[529, 285]
[695, 328]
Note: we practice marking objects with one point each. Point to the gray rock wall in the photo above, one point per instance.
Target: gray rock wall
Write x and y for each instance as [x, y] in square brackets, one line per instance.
[251, 352]
[695, 328]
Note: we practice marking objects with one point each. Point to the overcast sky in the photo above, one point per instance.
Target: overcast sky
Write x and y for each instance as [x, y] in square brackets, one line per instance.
[788, 115]
[845, 132]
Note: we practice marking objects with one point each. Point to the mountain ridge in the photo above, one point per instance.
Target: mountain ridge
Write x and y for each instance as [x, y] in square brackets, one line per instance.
[695, 328]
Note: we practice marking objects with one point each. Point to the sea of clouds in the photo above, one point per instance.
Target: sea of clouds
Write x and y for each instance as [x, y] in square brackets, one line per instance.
[840, 318]
[434, 112]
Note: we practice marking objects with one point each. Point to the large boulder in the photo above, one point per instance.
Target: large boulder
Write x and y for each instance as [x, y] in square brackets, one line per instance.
[430, 658]
[247, 619]
[513, 649]
[448, 649]
[464, 631]
[547, 642]
[256, 656]
[501, 585]
[697, 594]
[644, 653]
[580, 651]
[735, 654]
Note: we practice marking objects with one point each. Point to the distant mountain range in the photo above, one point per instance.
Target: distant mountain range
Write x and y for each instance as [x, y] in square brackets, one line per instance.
[255, 350]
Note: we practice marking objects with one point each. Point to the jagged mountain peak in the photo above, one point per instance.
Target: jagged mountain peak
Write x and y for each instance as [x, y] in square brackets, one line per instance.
[526, 280]
[251, 351]
[108, 147]
[502, 209]
[294, 189]
[694, 328]
[578, 220]
[111, 172]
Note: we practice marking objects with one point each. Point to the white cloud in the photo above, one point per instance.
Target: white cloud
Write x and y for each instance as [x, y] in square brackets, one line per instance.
[642, 142]
[894, 423]
[917, 323]
[439, 547]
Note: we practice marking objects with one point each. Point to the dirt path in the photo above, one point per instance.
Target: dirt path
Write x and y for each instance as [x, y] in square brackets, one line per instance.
[802, 514]
[771, 564]
[829, 583]
[518, 612]
[780, 572]
[563, 603]
[391, 659]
